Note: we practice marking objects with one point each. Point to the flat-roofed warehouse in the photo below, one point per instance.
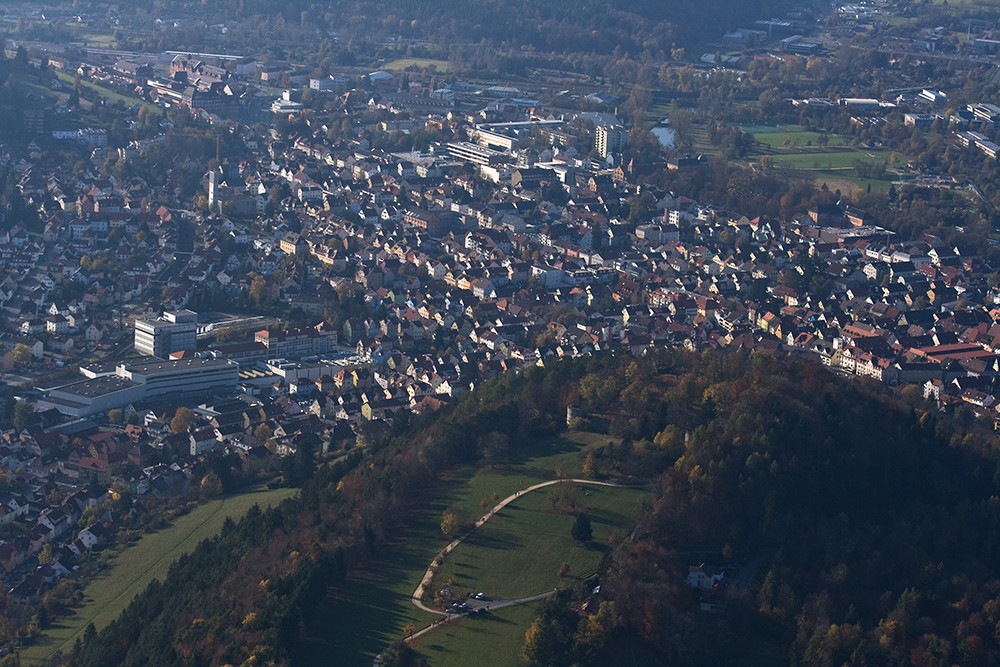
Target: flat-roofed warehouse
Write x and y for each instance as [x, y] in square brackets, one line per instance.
[139, 381]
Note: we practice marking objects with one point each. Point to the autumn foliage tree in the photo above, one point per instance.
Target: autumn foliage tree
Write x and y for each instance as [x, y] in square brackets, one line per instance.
[450, 524]
[22, 355]
[182, 420]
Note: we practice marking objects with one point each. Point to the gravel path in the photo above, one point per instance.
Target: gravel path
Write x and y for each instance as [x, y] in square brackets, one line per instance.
[474, 604]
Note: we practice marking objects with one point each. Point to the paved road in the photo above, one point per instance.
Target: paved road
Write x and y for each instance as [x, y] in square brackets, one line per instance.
[474, 604]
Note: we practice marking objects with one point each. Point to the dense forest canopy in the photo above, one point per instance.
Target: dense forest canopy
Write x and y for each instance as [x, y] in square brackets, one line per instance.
[596, 26]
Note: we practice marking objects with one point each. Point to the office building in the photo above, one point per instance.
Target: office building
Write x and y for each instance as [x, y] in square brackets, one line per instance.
[175, 331]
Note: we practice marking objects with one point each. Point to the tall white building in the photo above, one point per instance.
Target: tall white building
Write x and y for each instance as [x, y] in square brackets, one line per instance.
[175, 331]
[213, 188]
[610, 139]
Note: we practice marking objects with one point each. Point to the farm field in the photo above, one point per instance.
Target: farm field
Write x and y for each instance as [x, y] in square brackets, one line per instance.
[132, 569]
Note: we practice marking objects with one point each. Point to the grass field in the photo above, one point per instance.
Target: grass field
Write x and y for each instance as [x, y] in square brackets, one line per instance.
[85, 34]
[795, 148]
[700, 141]
[776, 136]
[368, 612]
[518, 552]
[494, 638]
[404, 63]
[108, 94]
[847, 181]
[840, 157]
[792, 147]
[502, 631]
[132, 569]
[364, 615]
[563, 458]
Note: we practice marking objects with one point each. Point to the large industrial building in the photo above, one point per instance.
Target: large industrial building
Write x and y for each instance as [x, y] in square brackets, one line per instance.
[133, 382]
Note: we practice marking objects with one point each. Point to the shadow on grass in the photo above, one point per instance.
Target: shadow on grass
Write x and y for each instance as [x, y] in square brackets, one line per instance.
[596, 546]
[363, 615]
[493, 618]
[501, 541]
[521, 462]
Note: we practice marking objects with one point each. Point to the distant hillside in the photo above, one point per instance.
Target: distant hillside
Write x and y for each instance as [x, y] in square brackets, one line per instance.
[582, 26]
[868, 524]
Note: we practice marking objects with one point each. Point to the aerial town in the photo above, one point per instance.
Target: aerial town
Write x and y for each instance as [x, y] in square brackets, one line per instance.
[256, 256]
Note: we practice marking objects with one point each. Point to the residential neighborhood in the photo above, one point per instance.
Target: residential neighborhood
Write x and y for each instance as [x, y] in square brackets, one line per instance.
[370, 283]
[217, 263]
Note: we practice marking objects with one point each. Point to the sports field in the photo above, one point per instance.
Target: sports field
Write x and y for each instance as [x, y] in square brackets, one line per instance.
[827, 158]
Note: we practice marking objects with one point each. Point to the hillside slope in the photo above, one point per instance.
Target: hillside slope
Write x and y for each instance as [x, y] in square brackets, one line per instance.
[873, 522]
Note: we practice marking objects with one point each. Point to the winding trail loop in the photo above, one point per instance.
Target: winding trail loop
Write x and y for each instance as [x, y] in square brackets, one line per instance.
[418, 594]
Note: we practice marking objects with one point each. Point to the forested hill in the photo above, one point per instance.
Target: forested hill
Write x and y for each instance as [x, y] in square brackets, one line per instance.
[547, 25]
[874, 522]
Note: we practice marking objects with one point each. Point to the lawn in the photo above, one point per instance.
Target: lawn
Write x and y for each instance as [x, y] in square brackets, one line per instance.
[107, 93]
[362, 617]
[776, 136]
[405, 63]
[832, 164]
[797, 148]
[563, 458]
[501, 632]
[89, 36]
[792, 147]
[700, 142]
[829, 158]
[847, 181]
[131, 570]
[518, 552]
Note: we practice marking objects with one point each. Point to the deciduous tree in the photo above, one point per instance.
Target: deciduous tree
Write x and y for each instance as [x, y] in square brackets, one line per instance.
[24, 415]
[22, 355]
[450, 524]
[182, 420]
